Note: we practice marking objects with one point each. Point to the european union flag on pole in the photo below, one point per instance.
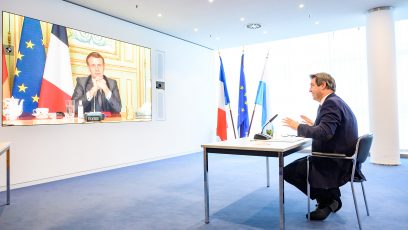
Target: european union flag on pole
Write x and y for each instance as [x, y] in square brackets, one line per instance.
[30, 65]
[243, 121]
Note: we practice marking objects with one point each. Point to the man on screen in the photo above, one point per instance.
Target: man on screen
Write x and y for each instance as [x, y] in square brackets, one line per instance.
[97, 92]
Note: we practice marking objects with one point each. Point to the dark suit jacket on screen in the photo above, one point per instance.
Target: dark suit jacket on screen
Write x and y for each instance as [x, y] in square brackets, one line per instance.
[335, 131]
[84, 84]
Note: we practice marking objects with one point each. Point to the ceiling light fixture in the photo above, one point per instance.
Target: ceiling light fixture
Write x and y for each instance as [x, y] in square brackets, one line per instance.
[317, 22]
[301, 6]
[242, 19]
[253, 26]
[210, 1]
[159, 15]
[195, 30]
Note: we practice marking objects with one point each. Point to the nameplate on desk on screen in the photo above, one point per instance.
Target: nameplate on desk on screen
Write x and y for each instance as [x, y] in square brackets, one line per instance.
[94, 116]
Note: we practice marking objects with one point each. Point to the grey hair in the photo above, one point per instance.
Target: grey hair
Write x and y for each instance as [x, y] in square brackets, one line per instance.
[325, 77]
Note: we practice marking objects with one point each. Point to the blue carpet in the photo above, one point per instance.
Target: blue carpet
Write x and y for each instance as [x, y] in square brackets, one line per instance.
[168, 194]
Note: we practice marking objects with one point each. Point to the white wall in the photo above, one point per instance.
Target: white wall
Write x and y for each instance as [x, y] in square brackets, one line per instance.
[51, 152]
[340, 53]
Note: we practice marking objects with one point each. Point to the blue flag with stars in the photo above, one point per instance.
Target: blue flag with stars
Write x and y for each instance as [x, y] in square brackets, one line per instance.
[30, 65]
[243, 121]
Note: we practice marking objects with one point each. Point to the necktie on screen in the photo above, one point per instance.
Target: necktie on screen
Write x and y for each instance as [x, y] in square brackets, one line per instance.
[99, 101]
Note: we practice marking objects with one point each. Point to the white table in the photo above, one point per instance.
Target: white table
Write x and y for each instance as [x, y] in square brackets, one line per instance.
[278, 147]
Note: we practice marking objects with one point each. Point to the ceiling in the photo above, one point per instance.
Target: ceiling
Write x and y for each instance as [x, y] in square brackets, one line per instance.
[218, 24]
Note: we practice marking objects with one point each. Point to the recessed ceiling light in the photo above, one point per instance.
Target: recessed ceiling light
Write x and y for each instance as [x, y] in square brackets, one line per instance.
[317, 22]
[242, 19]
[210, 1]
[253, 26]
[265, 32]
[159, 15]
[301, 6]
[195, 29]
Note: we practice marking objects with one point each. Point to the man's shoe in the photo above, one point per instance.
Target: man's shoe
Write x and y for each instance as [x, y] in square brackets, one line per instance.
[339, 204]
[321, 213]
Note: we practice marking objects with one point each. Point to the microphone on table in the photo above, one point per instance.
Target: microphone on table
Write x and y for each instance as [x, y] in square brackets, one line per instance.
[95, 115]
[261, 135]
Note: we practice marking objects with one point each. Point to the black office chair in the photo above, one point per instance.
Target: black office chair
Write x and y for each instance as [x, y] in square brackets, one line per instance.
[360, 155]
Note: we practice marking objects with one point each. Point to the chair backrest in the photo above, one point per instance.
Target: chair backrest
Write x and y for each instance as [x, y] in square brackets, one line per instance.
[363, 147]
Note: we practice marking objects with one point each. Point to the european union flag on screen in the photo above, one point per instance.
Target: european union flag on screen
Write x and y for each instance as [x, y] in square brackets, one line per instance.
[243, 121]
[30, 65]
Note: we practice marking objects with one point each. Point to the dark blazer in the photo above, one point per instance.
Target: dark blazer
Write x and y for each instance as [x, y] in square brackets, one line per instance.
[84, 84]
[335, 131]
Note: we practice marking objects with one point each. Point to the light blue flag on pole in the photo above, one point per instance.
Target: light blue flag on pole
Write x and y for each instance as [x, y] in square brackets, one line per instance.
[262, 93]
[243, 121]
[261, 100]
[30, 65]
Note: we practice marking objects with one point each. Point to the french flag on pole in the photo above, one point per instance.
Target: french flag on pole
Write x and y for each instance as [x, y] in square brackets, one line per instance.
[57, 83]
[223, 102]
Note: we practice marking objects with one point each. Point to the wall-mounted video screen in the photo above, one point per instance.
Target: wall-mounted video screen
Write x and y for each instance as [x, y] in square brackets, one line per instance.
[57, 75]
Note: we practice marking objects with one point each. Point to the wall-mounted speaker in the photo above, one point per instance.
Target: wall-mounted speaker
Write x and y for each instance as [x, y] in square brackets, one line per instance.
[159, 77]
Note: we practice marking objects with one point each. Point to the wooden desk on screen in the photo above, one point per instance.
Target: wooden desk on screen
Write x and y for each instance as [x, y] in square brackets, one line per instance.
[5, 148]
[27, 120]
[278, 147]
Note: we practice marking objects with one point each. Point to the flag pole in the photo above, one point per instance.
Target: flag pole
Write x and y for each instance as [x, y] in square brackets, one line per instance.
[252, 118]
[232, 121]
[253, 111]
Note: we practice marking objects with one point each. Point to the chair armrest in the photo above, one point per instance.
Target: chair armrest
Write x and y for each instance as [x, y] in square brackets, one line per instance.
[332, 155]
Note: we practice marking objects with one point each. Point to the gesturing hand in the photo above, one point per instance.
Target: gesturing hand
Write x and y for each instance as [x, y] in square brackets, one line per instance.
[307, 120]
[290, 123]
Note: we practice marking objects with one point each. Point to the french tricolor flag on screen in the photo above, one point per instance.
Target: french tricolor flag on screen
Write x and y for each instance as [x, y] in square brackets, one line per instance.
[223, 102]
[57, 83]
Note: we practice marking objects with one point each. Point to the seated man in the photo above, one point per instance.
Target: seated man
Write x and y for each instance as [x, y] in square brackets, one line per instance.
[97, 92]
[334, 131]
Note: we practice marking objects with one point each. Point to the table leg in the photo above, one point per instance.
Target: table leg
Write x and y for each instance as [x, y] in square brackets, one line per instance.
[206, 195]
[8, 176]
[267, 172]
[281, 193]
